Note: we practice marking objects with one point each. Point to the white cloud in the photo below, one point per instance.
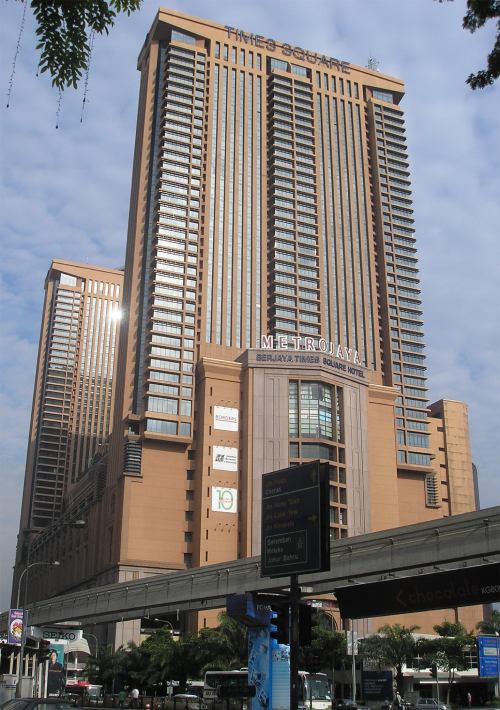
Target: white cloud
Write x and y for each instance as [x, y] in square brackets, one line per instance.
[66, 190]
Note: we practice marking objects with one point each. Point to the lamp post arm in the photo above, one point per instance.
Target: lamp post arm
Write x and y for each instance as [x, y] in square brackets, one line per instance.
[19, 585]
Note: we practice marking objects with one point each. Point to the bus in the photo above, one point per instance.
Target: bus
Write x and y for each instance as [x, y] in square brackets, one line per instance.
[215, 680]
[314, 688]
[314, 691]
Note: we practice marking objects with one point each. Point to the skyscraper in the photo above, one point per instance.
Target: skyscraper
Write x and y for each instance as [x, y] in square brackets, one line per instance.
[272, 310]
[273, 299]
[73, 393]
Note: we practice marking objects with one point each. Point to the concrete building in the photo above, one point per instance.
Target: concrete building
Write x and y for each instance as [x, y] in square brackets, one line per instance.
[73, 394]
[272, 309]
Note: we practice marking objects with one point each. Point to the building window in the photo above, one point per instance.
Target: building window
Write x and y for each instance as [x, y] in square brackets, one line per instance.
[179, 36]
[314, 410]
[431, 491]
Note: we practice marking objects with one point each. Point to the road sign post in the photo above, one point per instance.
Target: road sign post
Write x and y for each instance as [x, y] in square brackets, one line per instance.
[295, 538]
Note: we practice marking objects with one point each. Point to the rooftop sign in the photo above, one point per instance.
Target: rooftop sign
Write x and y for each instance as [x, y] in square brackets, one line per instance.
[303, 55]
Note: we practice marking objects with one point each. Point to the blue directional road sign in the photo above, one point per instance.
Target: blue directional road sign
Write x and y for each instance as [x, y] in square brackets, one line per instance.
[489, 656]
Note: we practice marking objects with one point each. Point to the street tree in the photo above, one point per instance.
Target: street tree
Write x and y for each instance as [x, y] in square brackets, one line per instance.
[64, 31]
[108, 668]
[490, 626]
[391, 647]
[448, 651]
[477, 15]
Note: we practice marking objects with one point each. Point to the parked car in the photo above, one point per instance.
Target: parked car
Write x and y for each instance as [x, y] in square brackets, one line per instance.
[348, 704]
[37, 704]
[429, 704]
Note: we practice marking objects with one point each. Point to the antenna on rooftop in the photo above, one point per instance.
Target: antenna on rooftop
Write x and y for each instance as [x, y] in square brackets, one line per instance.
[373, 64]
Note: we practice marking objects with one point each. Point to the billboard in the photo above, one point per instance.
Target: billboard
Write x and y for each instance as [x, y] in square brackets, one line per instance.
[56, 677]
[224, 500]
[438, 590]
[226, 418]
[224, 458]
[259, 667]
[16, 626]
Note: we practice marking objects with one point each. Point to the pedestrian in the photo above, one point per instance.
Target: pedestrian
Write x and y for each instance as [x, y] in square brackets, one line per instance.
[134, 694]
[469, 699]
[398, 700]
[122, 696]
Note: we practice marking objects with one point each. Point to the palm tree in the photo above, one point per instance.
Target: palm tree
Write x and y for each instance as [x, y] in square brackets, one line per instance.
[490, 626]
[108, 667]
[391, 647]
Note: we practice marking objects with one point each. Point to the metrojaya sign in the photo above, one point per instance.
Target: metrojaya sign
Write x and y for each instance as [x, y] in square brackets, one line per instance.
[299, 342]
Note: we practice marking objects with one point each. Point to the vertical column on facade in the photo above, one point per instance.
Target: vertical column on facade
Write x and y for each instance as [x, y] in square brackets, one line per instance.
[404, 355]
[294, 278]
[169, 339]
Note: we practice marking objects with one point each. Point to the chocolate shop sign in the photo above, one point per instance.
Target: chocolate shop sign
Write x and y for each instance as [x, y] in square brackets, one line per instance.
[303, 55]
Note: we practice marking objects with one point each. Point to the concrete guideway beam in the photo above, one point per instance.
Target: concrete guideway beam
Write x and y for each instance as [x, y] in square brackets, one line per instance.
[469, 539]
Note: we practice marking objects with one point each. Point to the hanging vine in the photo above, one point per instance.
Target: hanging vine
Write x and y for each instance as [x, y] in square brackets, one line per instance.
[16, 53]
[87, 72]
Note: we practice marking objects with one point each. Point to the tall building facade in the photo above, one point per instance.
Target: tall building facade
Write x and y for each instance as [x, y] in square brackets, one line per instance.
[73, 392]
[272, 310]
[272, 298]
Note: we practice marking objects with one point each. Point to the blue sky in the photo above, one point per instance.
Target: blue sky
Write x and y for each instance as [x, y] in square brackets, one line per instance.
[65, 191]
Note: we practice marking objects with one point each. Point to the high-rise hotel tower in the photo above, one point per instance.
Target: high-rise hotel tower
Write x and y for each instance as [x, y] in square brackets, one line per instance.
[272, 302]
[72, 400]
[272, 309]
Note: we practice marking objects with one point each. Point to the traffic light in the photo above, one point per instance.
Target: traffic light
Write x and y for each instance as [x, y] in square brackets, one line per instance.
[279, 626]
[43, 653]
[305, 624]
[314, 663]
[434, 670]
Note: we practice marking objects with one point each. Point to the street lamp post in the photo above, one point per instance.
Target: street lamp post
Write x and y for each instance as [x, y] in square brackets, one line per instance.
[80, 523]
[25, 619]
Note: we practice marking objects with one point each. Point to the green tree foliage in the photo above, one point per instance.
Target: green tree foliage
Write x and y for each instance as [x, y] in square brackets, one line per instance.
[447, 652]
[490, 626]
[391, 647]
[223, 648]
[63, 31]
[109, 668]
[329, 646]
[478, 13]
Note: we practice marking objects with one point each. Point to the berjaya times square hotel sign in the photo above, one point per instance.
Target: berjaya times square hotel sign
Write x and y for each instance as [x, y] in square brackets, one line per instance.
[345, 358]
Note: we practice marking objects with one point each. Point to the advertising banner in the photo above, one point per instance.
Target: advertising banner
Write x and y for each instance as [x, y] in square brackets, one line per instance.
[438, 590]
[281, 677]
[224, 458]
[56, 677]
[224, 500]
[259, 667]
[226, 418]
[16, 626]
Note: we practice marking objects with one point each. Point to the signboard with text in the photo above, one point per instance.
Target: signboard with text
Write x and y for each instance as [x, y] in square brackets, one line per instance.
[224, 500]
[225, 418]
[295, 525]
[224, 458]
[438, 590]
[488, 648]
